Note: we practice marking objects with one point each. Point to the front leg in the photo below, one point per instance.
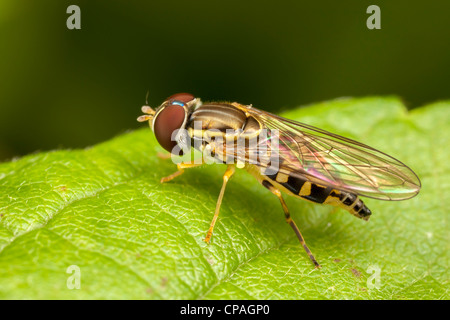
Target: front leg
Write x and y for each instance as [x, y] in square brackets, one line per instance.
[180, 171]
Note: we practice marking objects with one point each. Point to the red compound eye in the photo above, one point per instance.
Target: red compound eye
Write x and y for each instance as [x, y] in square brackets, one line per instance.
[166, 122]
[182, 97]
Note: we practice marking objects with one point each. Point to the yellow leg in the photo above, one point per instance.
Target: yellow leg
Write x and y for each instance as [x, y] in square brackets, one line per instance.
[164, 156]
[180, 171]
[291, 222]
[227, 175]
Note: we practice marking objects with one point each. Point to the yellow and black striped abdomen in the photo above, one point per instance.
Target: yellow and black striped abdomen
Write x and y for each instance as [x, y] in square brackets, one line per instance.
[303, 188]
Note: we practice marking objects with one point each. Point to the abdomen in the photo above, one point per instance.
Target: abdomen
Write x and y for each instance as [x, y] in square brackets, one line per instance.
[313, 192]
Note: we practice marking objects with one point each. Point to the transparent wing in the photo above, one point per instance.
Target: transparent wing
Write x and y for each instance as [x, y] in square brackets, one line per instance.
[331, 160]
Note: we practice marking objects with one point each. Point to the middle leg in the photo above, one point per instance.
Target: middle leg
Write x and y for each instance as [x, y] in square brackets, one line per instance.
[227, 175]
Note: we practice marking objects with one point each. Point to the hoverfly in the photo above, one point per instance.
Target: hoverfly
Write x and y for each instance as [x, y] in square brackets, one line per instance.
[311, 163]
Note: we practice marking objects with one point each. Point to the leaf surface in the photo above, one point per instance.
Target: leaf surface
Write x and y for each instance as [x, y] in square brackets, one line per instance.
[104, 210]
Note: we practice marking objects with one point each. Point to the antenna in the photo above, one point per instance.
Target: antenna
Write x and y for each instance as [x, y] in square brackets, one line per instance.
[146, 97]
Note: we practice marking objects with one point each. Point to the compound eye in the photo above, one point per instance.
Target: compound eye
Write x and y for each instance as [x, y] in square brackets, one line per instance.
[180, 97]
[167, 121]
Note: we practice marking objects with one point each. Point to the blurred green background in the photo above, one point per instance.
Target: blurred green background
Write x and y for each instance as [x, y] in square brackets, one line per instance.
[63, 88]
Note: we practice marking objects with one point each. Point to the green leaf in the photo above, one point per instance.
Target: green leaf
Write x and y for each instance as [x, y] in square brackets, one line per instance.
[104, 210]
